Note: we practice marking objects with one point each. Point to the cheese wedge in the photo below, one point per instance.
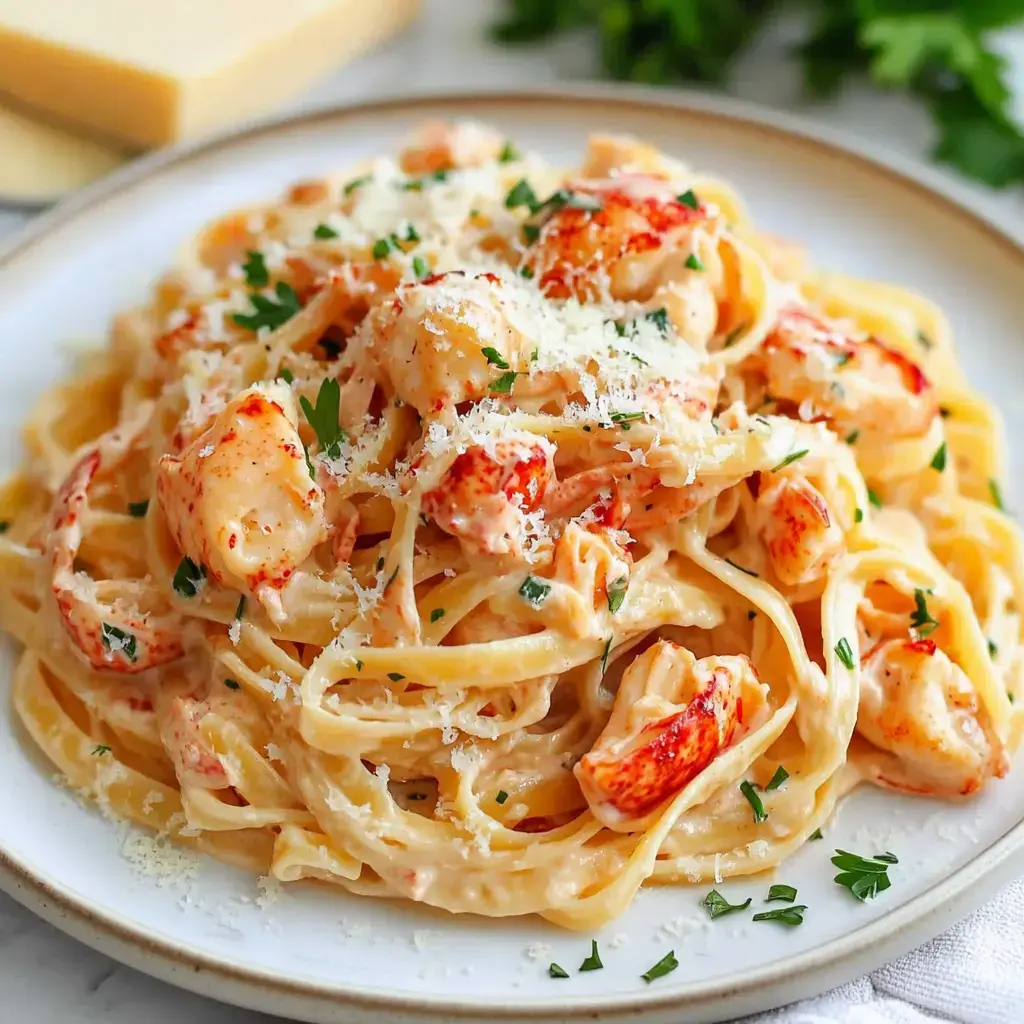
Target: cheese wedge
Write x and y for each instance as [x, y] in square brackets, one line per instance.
[39, 162]
[146, 73]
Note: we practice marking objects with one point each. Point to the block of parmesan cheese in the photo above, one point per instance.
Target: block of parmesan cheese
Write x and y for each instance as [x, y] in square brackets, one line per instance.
[147, 72]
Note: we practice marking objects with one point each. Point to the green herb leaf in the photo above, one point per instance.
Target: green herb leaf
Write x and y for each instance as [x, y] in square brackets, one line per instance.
[920, 618]
[508, 153]
[557, 972]
[232, 684]
[875, 500]
[593, 962]
[754, 799]
[138, 509]
[526, 272]
[993, 648]
[938, 462]
[816, 834]
[997, 494]
[356, 183]
[436, 614]
[858, 515]
[395, 677]
[503, 385]
[658, 317]
[521, 194]
[286, 375]
[116, 639]
[790, 459]
[786, 893]
[688, 198]
[845, 653]
[255, 270]
[791, 916]
[240, 609]
[851, 438]
[534, 591]
[420, 267]
[666, 965]
[694, 263]
[494, 357]
[189, 578]
[865, 877]
[5, 525]
[717, 905]
[617, 593]
[100, 748]
[604, 655]
[323, 417]
[268, 313]
[324, 231]
[777, 779]
[501, 797]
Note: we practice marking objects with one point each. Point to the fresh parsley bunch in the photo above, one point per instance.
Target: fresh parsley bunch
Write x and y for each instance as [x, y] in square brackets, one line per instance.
[935, 49]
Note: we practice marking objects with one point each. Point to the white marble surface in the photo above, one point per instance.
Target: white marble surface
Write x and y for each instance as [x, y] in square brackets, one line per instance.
[46, 978]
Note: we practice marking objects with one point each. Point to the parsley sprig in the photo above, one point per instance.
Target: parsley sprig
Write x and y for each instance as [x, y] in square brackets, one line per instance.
[865, 877]
[323, 417]
[938, 52]
[267, 312]
[921, 619]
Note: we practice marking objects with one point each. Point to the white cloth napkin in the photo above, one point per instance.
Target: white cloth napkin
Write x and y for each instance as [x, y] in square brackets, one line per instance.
[973, 974]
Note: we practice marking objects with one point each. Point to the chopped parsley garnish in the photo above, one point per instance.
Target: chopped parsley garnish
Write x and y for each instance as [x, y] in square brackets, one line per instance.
[626, 418]
[785, 893]
[784, 915]
[116, 639]
[255, 270]
[356, 183]
[189, 577]
[437, 613]
[874, 498]
[392, 578]
[323, 417]
[693, 262]
[526, 272]
[751, 615]
[842, 358]
[593, 962]
[689, 198]
[749, 572]
[381, 248]
[790, 459]
[286, 375]
[501, 797]
[997, 494]
[521, 194]
[754, 799]
[136, 509]
[232, 684]
[658, 317]
[240, 609]
[851, 438]
[920, 618]
[717, 905]
[508, 153]
[503, 385]
[925, 341]
[416, 184]
[534, 591]
[816, 834]
[938, 462]
[617, 593]
[420, 267]
[269, 313]
[858, 515]
[324, 231]
[865, 877]
[845, 653]
[494, 357]
[777, 779]
[380, 563]
[666, 965]
[604, 655]
[557, 972]
[100, 748]
[733, 336]
[395, 677]
[5, 525]
[993, 648]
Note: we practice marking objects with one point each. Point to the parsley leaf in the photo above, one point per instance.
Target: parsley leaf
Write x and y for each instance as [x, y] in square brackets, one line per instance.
[100, 748]
[503, 384]
[920, 618]
[232, 684]
[753, 798]
[845, 653]
[534, 591]
[116, 639]
[666, 965]
[494, 357]
[784, 915]
[693, 261]
[521, 194]
[323, 417]
[997, 494]
[790, 459]
[508, 153]
[501, 797]
[688, 198]
[717, 904]
[267, 312]
[865, 877]
[786, 893]
[777, 779]
[255, 270]
[437, 613]
[324, 231]
[555, 971]
[138, 509]
[189, 578]
[593, 962]
[617, 593]
[938, 462]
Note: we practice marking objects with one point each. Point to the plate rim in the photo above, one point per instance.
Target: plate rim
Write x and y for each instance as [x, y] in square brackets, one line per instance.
[802, 974]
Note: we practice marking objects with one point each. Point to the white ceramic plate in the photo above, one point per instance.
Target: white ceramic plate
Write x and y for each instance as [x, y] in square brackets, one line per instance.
[325, 956]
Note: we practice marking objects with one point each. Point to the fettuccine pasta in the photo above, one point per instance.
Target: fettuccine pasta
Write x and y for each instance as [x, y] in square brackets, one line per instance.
[506, 539]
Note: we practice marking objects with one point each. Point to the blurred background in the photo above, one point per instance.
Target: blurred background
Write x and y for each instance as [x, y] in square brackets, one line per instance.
[85, 86]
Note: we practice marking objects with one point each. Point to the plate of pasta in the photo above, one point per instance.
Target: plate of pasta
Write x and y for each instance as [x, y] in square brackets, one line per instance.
[511, 557]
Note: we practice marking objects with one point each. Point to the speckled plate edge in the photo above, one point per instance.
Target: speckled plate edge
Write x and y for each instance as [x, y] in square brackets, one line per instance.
[762, 988]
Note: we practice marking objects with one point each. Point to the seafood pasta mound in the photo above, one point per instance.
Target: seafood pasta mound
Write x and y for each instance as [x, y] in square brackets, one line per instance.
[503, 539]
